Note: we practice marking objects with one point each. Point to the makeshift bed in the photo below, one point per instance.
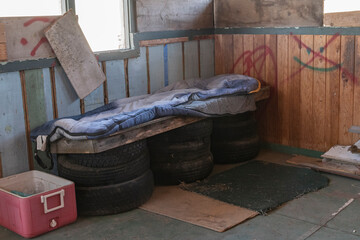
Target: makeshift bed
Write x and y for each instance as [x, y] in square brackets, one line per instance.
[131, 119]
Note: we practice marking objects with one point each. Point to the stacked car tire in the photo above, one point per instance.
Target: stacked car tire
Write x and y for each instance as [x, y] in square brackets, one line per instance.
[110, 182]
[182, 155]
[235, 138]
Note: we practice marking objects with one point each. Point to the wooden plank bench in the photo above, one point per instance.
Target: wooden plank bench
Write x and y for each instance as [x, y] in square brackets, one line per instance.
[133, 134]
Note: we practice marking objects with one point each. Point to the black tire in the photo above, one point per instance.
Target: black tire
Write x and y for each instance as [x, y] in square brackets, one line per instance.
[117, 198]
[172, 173]
[110, 158]
[90, 176]
[194, 131]
[236, 151]
[233, 130]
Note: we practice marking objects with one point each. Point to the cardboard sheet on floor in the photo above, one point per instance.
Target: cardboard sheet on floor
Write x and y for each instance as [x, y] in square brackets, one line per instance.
[342, 153]
[75, 55]
[259, 186]
[330, 166]
[173, 202]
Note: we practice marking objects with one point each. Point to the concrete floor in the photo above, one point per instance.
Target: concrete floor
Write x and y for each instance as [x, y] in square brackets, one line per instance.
[309, 217]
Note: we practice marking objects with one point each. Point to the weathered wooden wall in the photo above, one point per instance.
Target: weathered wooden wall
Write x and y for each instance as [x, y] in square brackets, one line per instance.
[162, 15]
[269, 13]
[32, 97]
[315, 81]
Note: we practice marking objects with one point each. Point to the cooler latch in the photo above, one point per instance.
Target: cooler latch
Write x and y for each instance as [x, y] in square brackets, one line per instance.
[45, 197]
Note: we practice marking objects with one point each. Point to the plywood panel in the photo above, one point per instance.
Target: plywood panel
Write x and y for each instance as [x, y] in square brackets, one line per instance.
[295, 90]
[12, 130]
[156, 64]
[207, 61]
[239, 55]
[175, 67]
[160, 15]
[319, 94]
[224, 54]
[259, 57]
[191, 59]
[356, 112]
[249, 55]
[75, 55]
[137, 74]
[66, 98]
[115, 79]
[346, 89]
[342, 19]
[307, 80]
[275, 13]
[282, 88]
[332, 91]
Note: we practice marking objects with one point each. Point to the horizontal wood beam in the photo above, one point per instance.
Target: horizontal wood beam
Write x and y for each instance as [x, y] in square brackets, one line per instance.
[155, 42]
[133, 134]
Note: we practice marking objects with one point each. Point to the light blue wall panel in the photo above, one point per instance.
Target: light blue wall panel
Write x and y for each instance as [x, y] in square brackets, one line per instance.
[156, 64]
[191, 59]
[68, 102]
[175, 62]
[115, 79]
[138, 74]
[207, 56]
[12, 125]
[94, 99]
[47, 94]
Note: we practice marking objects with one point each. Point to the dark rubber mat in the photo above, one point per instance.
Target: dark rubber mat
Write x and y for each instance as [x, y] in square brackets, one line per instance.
[259, 186]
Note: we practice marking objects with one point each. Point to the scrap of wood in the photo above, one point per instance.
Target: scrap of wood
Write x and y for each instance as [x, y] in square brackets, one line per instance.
[155, 42]
[75, 55]
[3, 51]
[334, 167]
[196, 209]
[132, 134]
[342, 19]
[2, 33]
[203, 37]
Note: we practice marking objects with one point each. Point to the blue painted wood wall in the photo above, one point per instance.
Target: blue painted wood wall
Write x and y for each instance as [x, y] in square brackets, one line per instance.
[165, 67]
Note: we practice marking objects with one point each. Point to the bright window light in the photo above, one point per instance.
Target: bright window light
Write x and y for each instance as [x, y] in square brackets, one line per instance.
[341, 6]
[102, 23]
[15, 8]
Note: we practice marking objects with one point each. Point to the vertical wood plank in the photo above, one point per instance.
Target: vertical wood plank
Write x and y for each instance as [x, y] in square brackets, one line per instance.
[332, 93]
[156, 64]
[12, 125]
[148, 71]
[346, 90]
[295, 90]
[224, 54]
[249, 56]
[356, 112]
[105, 84]
[53, 92]
[66, 97]
[207, 61]
[259, 57]
[191, 60]
[137, 74]
[319, 95]
[175, 62]
[183, 60]
[199, 58]
[238, 67]
[283, 98]
[115, 79]
[271, 116]
[126, 75]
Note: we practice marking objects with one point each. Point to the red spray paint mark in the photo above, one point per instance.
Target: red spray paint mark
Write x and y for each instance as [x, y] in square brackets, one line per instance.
[53, 64]
[42, 40]
[345, 71]
[36, 19]
[23, 41]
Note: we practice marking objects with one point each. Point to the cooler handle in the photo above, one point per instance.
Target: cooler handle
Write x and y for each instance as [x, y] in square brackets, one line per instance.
[44, 200]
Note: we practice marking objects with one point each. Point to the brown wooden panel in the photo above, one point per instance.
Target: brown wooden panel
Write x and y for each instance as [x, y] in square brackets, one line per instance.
[306, 89]
[223, 54]
[294, 88]
[271, 79]
[283, 91]
[259, 53]
[332, 91]
[2, 33]
[238, 54]
[274, 13]
[356, 111]
[319, 94]
[346, 89]
[3, 52]
[160, 15]
[342, 19]
[249, 56]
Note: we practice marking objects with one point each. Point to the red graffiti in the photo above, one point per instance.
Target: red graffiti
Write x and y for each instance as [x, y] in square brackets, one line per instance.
[319, 55]
[23, 41]
[36, 19]
[42, 40]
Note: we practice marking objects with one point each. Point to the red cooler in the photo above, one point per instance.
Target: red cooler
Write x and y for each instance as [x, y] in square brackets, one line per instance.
[34, 202]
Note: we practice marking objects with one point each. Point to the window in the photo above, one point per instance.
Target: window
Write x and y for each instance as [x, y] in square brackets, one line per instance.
[341, 6]
[104, 23]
